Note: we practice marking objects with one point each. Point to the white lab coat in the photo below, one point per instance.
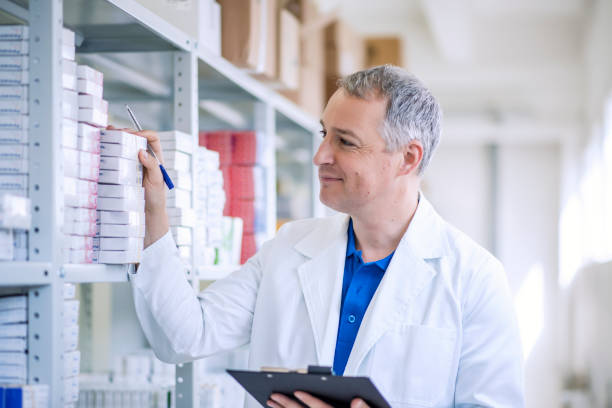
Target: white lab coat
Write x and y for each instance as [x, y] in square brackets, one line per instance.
[440, 330]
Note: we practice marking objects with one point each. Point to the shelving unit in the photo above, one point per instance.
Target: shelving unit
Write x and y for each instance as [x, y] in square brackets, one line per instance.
[108, 34]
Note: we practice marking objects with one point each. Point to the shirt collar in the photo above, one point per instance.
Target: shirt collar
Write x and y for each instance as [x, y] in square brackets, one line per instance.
[351, 250]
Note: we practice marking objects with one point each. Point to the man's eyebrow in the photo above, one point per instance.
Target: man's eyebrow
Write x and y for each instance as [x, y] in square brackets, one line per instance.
[341, 130]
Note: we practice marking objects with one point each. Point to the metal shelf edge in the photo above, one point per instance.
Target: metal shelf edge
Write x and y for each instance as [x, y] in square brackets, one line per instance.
[25, 273]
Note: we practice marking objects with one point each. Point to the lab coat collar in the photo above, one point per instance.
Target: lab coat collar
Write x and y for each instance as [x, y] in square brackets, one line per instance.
[407, 274]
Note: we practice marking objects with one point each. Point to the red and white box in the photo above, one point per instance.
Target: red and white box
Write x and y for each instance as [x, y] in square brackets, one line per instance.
[80, 214]
[220, 142]
[82, 228]
[92, 102]
[88, 139]
[70, 104]
[244, 209]
[245, 148]
[249, 247]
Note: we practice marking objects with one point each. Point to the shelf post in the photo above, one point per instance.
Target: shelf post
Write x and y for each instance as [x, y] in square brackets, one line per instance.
[186, 120]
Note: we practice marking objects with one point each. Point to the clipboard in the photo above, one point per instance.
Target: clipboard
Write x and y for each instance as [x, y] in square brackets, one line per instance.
[337, 391]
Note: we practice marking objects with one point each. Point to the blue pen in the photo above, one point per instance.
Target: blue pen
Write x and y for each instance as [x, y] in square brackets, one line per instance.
[167, 179]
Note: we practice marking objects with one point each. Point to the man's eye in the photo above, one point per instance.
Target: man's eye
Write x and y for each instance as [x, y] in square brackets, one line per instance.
[346, 142]
[323, 133]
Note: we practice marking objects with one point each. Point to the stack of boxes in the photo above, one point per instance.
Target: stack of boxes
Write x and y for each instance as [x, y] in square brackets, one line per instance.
[120, 223]
[209, 203]
[13, 339]
[14, 129]
[72, 356]
[15, 220]
[244, 181]
[177, 150]
[81, 152]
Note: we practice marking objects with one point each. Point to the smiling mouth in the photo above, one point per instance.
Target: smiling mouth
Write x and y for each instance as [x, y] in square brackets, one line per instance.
[328, 178]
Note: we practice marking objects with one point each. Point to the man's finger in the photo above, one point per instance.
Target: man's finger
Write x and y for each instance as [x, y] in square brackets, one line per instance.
[283, 401]
[311, 401]
[273, 404]
[359, 403]
[147, 160]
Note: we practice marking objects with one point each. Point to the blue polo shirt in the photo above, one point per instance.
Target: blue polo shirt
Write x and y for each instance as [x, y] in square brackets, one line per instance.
[358, 286]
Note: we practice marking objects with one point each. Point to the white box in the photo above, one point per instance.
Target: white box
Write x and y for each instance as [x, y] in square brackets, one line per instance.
[14, 32]
[183, 220]
[118, 257]
[13, 302]
[68, 37]
[121, 217]
[14, 92]
[181, 179]
[13, 357]
[123, 138]
[13, 316]
[15, 212]
[93, 117]
[85, 86]
[69, 78]
[6, 245]
[19, 47]
[121, 191]
[182, 235]
[70, 104]
[14, 151]
[69, 134]
[11, 166]
[14, 63]
[71, 337]
[120, 204]
[118, 230]
[13, 136]
[176, 160]
[92, 102]
[79, 256]
[80, 214]
[178, 144]
[14, 78]
[71, 389]
[76, 186]
[119, 150]
[89, 165]
[71, 312]
[84, 228]
[119, 244]
[14, 122]
[125, 176]
[90, 74]
[69, 290]
[10, 182]
[72, 362]
[121, 164]
[13, 107]
[88, 138]
[77, 242]
[13, 345]
[68, 52]
[178, 198]
[14, 330]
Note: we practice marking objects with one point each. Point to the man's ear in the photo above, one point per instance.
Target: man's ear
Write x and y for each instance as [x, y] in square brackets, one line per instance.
[412, 156]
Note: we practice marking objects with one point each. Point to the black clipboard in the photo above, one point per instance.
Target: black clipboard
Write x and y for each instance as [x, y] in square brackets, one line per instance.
[337, 391]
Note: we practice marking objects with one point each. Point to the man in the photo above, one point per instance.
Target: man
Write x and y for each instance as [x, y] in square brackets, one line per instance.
[386, 290]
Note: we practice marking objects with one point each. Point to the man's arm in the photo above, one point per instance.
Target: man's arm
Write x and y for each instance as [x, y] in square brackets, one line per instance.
[491, 363]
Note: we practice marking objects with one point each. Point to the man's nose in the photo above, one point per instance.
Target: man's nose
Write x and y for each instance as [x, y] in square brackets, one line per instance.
[324, 154]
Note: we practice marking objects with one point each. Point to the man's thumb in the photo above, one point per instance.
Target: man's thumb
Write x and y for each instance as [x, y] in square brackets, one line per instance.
[147, 160]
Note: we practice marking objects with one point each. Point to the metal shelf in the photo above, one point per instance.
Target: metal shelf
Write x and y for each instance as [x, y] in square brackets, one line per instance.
[25, 273]
[92, 273]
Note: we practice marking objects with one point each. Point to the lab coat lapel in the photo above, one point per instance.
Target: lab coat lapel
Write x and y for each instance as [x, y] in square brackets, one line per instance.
[321, 281]
[407, 275]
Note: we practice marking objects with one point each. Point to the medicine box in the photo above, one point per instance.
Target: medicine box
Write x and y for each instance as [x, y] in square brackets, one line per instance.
[68, 52]
[92, 102]
[90, 74]
[123, 138]
[85, 86]
[69, 134]
[80, 214]
[14, 330]
[120, 164]
[13, 107]
[68, 37]
[176, 160]
[14, 166]
[13, 136]
[118, 257]
[13, 182]
[14, 92]
[13, 302]
[70, 104]
[71, 312]
[14, 63]
[124, 176]
[14, 32]
[121, 191]
[119, 244]
[14, 122]
[69, 79]
[71, 337]
[181, 179]
[183, 220]
[19, 47]
[121, 217]
[68, 290]
[178, 198]
[83, 228]
[120, 204]
[93, 117]
[119, 230]
[14, 78]
[77, 242]
[72, 361]
[13, 316]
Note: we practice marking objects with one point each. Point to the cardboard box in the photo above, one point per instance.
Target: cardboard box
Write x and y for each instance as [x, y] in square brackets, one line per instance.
[383, 50]
[241, 32]
[344, 49]
[288, 62]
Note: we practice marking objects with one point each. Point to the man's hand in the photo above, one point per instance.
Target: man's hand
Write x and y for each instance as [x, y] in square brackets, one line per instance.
[156, 218]
[282, 401]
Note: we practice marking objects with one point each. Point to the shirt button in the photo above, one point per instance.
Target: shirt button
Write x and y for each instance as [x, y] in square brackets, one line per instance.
[351, 318]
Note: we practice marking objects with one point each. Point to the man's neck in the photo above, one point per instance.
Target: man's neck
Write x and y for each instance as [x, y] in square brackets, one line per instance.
[377, 234]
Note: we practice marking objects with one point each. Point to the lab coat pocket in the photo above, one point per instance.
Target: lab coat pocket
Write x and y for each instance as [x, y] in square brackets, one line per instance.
[412, 365]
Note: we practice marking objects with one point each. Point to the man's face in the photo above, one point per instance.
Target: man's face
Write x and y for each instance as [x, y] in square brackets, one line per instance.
[355, 170]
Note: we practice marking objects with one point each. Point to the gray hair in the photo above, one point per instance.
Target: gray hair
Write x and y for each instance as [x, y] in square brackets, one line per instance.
[412, 111]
